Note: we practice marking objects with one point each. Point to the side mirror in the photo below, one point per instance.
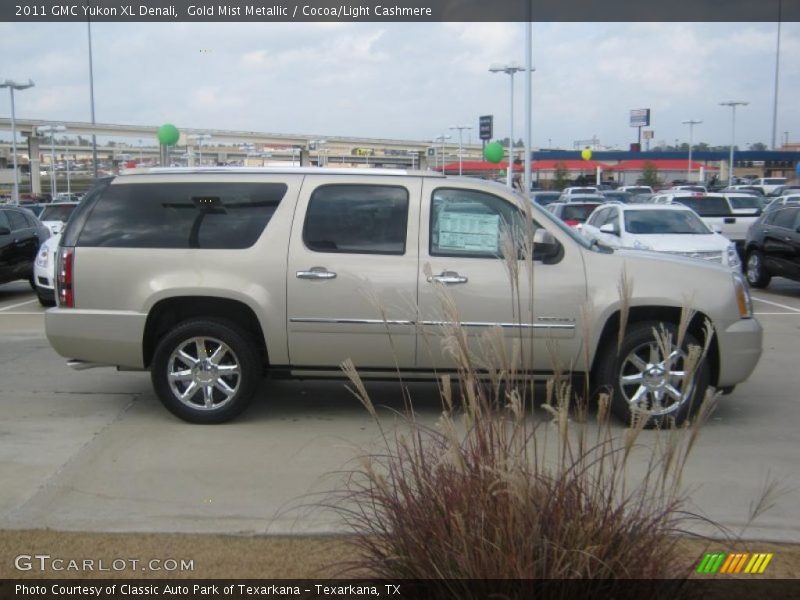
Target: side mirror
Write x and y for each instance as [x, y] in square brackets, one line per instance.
[545, 246]
[4, 231]
[608, 228]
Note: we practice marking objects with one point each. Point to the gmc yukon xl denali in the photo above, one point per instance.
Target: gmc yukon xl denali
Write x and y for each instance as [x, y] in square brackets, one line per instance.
[212, 278]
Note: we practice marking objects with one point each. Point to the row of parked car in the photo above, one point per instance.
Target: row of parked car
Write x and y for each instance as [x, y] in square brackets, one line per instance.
[739, 229]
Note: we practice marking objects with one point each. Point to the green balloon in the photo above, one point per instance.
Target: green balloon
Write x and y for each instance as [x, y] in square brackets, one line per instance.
[168, 135]
[494, 152]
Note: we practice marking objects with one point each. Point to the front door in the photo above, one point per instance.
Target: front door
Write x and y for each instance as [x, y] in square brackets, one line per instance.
[461, 239]
[352, 277]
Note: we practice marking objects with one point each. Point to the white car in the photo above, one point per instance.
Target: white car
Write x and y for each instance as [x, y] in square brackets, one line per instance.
[55, 216]
[670, 228]
[44, 270]
[769, 184]
[580, 190]
[636, 189]
[690, 187]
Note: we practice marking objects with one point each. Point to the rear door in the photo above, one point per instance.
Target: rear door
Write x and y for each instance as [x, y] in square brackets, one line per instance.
[352, 276]
[462, 280]
[25, 243]
[8, 260]
[781, 245]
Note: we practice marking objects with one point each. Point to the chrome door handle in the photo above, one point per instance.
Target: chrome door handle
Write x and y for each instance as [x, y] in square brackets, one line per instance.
[316, 273]
[448, 277]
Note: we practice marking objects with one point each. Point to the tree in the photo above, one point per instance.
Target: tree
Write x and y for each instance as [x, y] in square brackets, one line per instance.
[560, 176]
[650, 174]
[758, 146]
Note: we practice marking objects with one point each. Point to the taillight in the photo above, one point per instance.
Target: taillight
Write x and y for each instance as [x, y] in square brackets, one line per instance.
[572, 222]
[66, 260]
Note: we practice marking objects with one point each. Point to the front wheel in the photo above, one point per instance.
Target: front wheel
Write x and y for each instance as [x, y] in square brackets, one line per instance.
[647, 384]
[206, 371]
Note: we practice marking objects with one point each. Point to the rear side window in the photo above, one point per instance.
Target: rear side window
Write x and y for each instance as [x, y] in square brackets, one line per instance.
[357, 219]
[17, 220]
[4, 219]
[705, 206]
[785, 218]
[181, 215]
[58, 212]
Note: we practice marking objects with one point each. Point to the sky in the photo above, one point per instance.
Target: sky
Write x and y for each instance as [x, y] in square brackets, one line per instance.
[412, 81]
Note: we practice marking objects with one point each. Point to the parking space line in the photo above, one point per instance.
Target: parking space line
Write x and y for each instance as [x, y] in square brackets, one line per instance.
[16, 305]
[42, 313]
[791, 314]
[797, 310]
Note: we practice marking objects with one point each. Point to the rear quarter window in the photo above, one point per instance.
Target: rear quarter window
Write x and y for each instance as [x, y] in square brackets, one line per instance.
[181, 215]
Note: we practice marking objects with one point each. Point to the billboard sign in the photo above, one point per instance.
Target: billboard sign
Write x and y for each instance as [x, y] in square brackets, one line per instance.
[640, 117]
[485, 126]
[648, 134]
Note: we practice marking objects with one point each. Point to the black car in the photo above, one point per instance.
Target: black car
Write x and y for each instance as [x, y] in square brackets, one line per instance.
[21, 233]
[543, 198]
[773, 247]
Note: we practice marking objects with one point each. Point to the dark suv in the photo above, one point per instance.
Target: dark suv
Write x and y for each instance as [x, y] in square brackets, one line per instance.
[21, 233]
[773, 247]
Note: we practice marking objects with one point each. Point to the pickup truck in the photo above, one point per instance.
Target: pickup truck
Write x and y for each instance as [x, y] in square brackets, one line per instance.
[213, 278]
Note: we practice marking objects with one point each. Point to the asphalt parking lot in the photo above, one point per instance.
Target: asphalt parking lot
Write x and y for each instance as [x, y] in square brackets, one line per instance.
[96, 451]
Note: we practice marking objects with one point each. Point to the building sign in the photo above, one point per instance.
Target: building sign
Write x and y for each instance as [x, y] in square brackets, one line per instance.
[648, 134]
[640, 117]
[485, 126]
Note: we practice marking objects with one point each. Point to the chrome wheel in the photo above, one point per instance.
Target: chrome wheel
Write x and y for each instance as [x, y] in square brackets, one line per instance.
[653, 384]
[754, 268]
[204, 373]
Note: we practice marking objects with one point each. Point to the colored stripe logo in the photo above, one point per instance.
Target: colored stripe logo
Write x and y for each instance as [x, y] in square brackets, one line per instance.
[736, 563]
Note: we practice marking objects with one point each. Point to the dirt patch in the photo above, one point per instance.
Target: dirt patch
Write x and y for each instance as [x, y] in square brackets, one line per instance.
[262, 557]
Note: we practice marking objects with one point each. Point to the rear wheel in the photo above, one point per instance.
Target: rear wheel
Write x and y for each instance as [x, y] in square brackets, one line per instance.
[206, 371]
[647, 384]
[757, 276]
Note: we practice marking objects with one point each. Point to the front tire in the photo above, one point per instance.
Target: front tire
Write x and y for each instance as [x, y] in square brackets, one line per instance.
[757, 276]
[206, 371]
[645, 384]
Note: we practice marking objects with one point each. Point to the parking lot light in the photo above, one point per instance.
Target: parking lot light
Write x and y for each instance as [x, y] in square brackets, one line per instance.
[52, 130]
[461, 129]
[13, 85]
[510, 70]
[733, 104]
[691, 123]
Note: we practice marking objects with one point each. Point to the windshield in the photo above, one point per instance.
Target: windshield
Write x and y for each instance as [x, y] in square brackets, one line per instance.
[583, 190]
[577, 212]
[664, 221]
[57, 212]
[705, 206]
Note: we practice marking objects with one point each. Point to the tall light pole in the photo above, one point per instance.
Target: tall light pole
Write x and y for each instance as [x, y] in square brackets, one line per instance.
[733, 104]
[691, 123]
[52, 130]
[442, 138]
[510, 70]
[777, 65]
[461, 129]
[13, 85]
[91, 99]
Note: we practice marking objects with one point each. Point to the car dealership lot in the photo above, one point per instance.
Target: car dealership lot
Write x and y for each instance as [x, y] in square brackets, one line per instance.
[95, 450]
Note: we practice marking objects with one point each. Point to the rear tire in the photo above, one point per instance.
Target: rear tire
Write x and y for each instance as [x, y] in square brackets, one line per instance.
[206, 371]
[645, 384]
[44, 301]
[756, 275]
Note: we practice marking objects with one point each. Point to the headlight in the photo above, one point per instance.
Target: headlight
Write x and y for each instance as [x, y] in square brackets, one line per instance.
[742, 296]
[733, 257]
[640, 246]
[43, 257]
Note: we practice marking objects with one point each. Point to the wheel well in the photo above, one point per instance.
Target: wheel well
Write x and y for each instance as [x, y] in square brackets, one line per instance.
[168, 313]
[668, 314]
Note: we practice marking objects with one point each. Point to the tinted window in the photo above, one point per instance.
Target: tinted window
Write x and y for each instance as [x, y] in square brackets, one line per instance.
[58, 212]
[785, 218]
[598, 217]
[470, 223]
[4, 219]
[740, 202]
[17, 220]
[357, 219]
[577, 212]
[181, 215]
[705, 206]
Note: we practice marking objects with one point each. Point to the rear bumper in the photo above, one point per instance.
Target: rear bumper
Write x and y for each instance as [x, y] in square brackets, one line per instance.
[740, 347]
[98, 336]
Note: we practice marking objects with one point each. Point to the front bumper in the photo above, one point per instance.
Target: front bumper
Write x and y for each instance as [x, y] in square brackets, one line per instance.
[740, 347]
